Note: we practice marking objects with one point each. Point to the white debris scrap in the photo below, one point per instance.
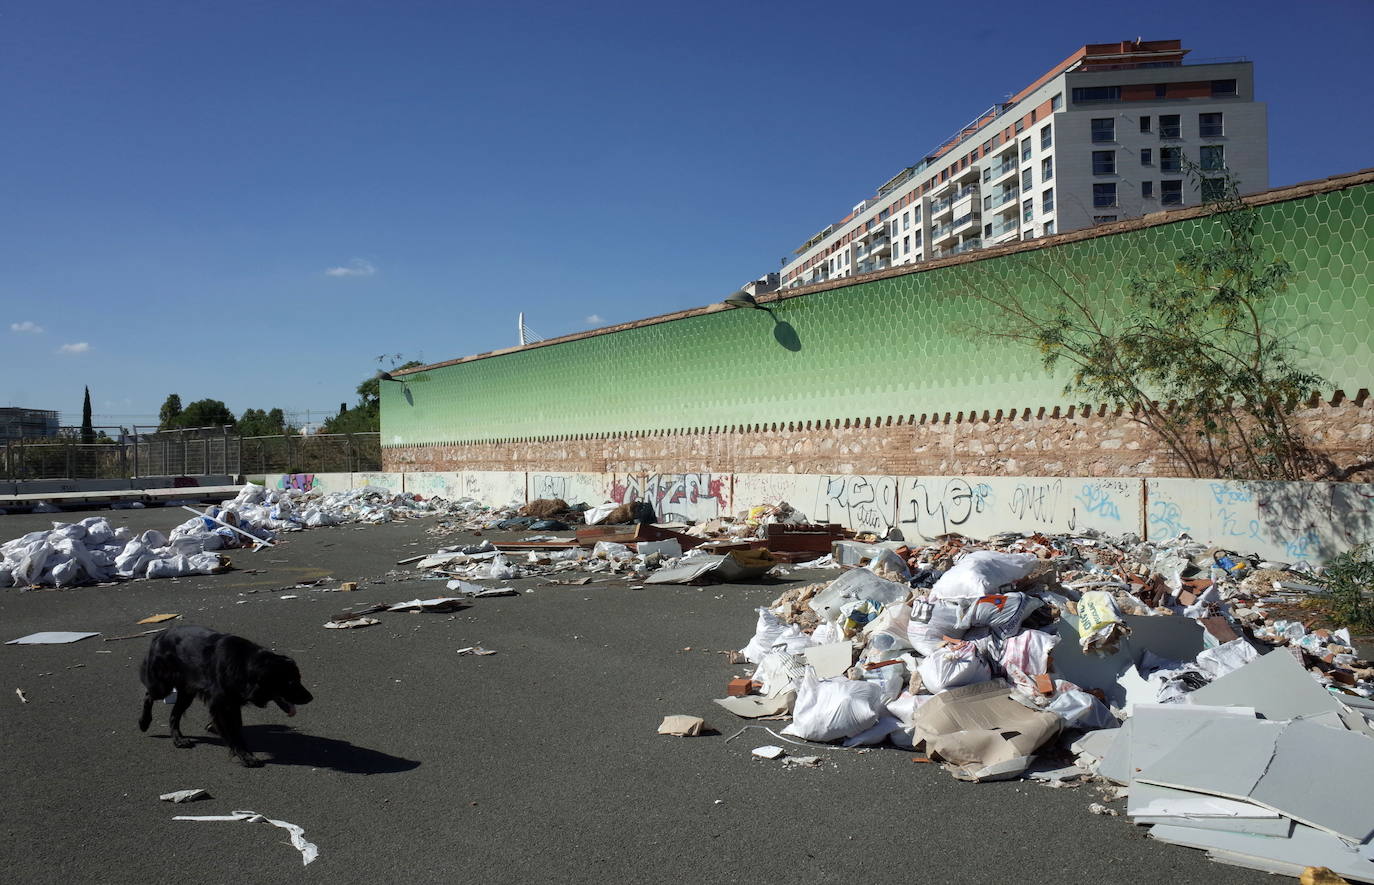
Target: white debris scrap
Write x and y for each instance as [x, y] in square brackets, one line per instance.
[309, 851]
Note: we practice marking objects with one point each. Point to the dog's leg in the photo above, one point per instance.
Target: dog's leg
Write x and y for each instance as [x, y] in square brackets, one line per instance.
[184, 699]
[229, 720]
[147, 718]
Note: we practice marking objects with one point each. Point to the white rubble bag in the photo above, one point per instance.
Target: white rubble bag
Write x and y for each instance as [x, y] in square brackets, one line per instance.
[982, 573]
[926, 636]
[950, 668]
[779, 672]
[834, 708]
[766, 634]
[1001, 613]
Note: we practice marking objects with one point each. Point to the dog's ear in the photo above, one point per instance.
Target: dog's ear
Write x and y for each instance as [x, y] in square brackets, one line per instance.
[261, 678]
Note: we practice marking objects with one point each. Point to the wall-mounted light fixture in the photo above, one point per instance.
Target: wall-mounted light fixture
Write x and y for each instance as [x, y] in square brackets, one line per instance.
[744, 299]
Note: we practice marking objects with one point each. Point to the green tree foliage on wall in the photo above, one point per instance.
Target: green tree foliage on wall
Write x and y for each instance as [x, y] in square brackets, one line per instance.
[1190, 351]
[256, 422]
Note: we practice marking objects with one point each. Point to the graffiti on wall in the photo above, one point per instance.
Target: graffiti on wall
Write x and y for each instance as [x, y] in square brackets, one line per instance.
[862, 503]
[933, 507]
[548, 485]
[676, 497]
[302, 482]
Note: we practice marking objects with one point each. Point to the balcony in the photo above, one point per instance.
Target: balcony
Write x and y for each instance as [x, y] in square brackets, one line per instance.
[997, 173]
[1002, 199]
[939, 206]
[967, 246]
[962, 222]
[1001, 228]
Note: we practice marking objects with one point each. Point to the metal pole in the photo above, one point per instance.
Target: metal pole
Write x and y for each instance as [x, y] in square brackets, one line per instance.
[136, 473]
[287, 438]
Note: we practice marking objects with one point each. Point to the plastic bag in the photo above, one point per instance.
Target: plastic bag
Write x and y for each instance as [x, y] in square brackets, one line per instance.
[951, 668]
[982, 573]
[32, 564]
[1002, 614]
[834, 708]
[68, 574]
[856, 584]
[1027, 654]
[170, 567]
[1082, 710]
[856, 615]
[766, 633]
[611, 550]
[779, 672]
[6, 575]
[133, 560]
[927, 636]
[888, 631]
[98, 531]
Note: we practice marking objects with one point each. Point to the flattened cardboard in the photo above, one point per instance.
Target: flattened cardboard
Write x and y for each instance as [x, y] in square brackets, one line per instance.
[53, 637]
[755, 707]
[982, 731]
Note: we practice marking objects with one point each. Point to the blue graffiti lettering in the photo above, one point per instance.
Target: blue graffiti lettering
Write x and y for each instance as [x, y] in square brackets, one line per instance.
[1166, 520]
[1227, 493]
[1232, 527]
[1098, 500]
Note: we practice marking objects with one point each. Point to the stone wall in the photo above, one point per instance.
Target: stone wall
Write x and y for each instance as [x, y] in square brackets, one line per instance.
[1012, 443]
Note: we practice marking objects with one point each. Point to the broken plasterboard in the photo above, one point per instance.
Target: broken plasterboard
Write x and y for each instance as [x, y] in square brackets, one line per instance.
[1276, 685]
[830, 660]
[1316, 775]
[438, 604]
[1304, 848]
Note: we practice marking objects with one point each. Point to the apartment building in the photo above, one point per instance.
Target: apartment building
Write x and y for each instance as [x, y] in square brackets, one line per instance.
[20, 423]
[1105, 134]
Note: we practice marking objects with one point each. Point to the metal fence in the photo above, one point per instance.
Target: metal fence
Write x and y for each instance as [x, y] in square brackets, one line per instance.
[200, 452]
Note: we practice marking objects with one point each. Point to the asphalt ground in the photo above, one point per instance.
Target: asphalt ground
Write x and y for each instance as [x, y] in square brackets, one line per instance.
[539, 763]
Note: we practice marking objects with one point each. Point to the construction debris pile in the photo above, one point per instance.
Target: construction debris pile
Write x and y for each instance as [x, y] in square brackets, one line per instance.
[93, 552]
[1158, 668]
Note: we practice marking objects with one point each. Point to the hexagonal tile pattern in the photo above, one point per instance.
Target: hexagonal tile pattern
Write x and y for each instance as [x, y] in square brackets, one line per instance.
[912, 344]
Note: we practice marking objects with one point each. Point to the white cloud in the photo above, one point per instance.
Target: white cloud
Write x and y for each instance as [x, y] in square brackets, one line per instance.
[77, 347]
[356, 267]
[28, 326]
[593, 320]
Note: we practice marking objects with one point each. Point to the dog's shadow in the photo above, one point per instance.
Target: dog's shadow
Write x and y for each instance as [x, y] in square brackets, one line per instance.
[282, 745]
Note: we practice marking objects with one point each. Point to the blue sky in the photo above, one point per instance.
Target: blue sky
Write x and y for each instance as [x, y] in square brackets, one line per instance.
[252, 201]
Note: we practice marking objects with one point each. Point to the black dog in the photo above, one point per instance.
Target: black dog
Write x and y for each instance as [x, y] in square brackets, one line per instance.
[227, 672]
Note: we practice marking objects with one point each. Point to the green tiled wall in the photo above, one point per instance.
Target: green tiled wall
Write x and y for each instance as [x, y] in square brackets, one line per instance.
[905, 345]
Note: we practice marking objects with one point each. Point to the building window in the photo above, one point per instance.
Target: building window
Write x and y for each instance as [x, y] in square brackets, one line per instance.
[987, 201]
[1046, 169]
[1209, 126]
[1027, 179]
[1103, 219]
[1213, 158]
[1028, 233]
[1035, 114]
[906, 221]
[1104, 194]
[1096, 93]
[1020, 126]
[916, 239]
[1057, 102]
[1223, 87]
[906, 245]
[1170, 159]
[1161, 90]
[1104, 162]
[1104, 129]
[1046, 138]
[1145, 123]
[1169, 126]
[1213, 189]
[987, 147]
[1049, 228]
[916, 215]
[1146, 156]
[1171, 193]
[1028, 209]
[1025, 149]
[1047, 200]
[987, 231]
[1147, 190]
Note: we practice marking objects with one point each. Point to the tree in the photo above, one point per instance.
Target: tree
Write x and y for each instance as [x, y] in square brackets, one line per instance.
[170, 411]
[205, 413]
[367, 416]
[87, 428]
[256, 422]
[1191, 352]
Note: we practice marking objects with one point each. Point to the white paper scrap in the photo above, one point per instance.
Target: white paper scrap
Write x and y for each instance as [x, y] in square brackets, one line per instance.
[309, 851]
[768, 751]
[50, 638]
[180, 796]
